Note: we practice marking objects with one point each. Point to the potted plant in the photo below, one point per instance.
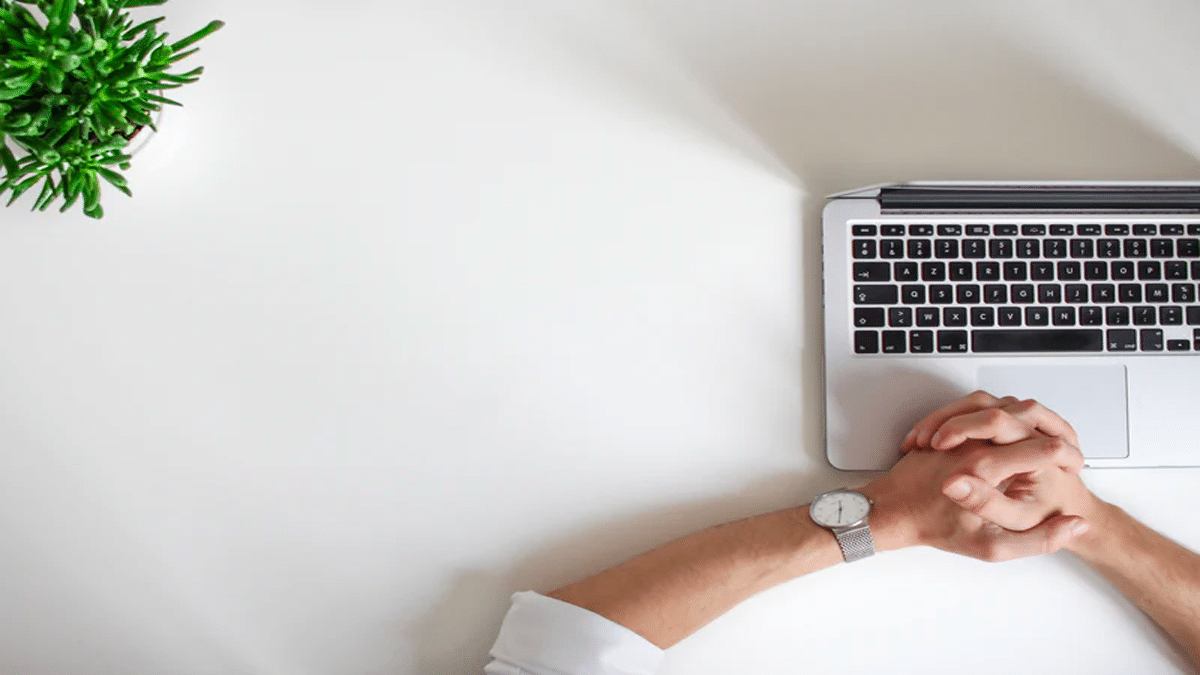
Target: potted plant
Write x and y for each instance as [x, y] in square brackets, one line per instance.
[78, 80]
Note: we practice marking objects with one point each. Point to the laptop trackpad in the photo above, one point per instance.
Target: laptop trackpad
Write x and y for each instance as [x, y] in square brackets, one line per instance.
[1091, 398]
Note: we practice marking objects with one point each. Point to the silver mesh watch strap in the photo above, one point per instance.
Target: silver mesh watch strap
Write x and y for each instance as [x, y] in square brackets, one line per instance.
[857, 543]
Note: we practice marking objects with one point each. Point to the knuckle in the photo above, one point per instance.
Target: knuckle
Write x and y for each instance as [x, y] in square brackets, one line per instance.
[981, 397]
[995, 416]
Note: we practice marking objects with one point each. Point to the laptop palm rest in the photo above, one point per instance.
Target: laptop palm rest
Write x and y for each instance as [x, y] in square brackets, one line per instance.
[1093, 398]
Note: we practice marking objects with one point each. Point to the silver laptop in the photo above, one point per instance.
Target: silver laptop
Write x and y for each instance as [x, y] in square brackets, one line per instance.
[1080, 295]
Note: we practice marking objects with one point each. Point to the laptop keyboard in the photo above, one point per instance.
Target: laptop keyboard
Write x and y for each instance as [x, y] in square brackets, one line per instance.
[995, 288]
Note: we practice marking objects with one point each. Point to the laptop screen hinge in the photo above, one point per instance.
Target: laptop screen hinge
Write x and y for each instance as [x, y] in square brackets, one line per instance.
[1039, 199]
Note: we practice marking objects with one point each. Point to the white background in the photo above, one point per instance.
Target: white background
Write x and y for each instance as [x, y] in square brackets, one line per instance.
[420, 304]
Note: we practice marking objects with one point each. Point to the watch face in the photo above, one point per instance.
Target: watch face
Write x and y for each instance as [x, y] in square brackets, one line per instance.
[839, 509]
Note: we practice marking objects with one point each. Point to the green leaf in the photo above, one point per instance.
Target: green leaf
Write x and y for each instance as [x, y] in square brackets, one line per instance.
[198, 36]
[47, 190]
[141, 28]
[8, 159]
[23, 188]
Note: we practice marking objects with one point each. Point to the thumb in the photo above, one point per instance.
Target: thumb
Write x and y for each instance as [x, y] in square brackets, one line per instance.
[1050, 536]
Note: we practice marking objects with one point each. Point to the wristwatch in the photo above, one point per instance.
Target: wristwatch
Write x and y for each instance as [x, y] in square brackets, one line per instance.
[844, 512]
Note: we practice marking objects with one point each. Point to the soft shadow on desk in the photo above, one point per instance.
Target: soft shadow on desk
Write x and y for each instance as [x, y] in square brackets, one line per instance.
[454, 635]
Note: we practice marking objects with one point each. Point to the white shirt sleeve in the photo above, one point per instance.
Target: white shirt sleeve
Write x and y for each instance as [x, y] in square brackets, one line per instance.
[544, 636]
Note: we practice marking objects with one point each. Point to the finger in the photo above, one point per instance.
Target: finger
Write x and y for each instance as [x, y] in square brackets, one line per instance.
[990, 424]
[989, 503]
[1043, 419]
[998, 464]
[924, 429]
[997, 544]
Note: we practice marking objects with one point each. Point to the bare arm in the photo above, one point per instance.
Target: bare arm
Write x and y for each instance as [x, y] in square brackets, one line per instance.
[1159, 576]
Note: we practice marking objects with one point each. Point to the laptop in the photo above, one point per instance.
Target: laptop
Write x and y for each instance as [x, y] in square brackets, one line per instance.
[1080, 295]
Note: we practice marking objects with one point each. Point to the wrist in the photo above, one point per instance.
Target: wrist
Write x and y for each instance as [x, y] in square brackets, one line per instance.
[1103, 521]
[893, 525]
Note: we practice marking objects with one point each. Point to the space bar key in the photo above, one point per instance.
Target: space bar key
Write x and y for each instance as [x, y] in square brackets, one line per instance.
[1054, 340]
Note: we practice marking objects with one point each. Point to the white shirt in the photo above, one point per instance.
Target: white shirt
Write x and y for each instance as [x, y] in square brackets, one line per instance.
[544, 636]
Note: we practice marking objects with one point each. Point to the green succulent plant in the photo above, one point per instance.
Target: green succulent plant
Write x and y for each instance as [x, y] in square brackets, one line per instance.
[77, 80]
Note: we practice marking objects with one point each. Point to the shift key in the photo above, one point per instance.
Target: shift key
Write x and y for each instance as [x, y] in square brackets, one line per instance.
[876, 294]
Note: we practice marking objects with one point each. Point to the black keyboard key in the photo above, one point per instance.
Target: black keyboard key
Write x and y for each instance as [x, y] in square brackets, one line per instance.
[929, 317]
[1193, 316]
[933, 271]
[1037, 316]
[1108, 248]
[1095, 271]
[1000, 248]
[945, 248]
[1063, 316]
[954, 317]
[891, 248]
[941, 294]
[895, 341]
[1196, 270]
[1157, 293]
[1122, 340]
[864, 248]
[1177, 269]
[866, 342]
[1102, 293]
[1117, 315]
[1015, 271]
[912, 294]
[1076, 293]
[1144, 316]
[979, 230]
[920, 342]
[892, 230]
[1152, 340]
[872, 272]
[1055, 248]
[949, 230]
[1145, 230]
[1041, 271]
[1082, 248]
[1149, 270]
[1062, 230]
[952, 341]
[1069, 270]
[1049, 294]
[1129, 293]
[974, 248]
[900, 317]
[987, 271]
[1172, 230]
[920, 230]
[1033, 230]
[863, 230]
[1052, 340]
[1183, 294]
[1089, 230]
[876, 294]
[920, 248]
[1193, 229]
[1170, 315]
[1006, 230]
[1135, 248]
[995, 294]
[983, 316]
[961, 271]
[905, 271]
[1188, 248]
[1116, 230]
[1022, 293]
[1162, 248]
[967, 294]
[1009, 316]
[1178, 345]
[1091, 316]
[868, 317]
[1029, 248]
[1123, 270]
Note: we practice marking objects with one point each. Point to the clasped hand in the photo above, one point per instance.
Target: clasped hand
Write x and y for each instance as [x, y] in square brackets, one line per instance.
[986, 477]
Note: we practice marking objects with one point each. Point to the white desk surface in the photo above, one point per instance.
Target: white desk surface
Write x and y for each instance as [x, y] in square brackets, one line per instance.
[420, 304]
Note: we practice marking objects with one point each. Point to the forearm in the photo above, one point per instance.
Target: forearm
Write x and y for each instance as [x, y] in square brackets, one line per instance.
[1158, 575]
[672, 591]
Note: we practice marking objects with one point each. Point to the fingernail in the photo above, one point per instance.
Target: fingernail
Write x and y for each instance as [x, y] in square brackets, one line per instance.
[1079, 528]
[933, 441]
[959, 489]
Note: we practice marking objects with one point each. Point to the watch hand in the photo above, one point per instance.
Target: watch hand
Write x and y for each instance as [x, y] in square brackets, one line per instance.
[839, 512]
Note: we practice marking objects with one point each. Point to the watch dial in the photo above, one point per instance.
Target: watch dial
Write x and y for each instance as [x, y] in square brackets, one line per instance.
[839, 509]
